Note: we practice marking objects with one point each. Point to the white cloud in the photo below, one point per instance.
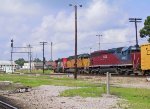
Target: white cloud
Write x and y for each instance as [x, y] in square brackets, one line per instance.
[98, 14]
[99, 17]
[116, 35]
[19, 7]
[15, 22]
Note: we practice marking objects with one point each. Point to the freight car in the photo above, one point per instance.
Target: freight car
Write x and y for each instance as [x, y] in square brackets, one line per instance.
[145, 58]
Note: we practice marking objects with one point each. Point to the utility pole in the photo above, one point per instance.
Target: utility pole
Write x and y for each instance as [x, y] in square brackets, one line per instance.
[90, 50]
[11, 55]
[135, 20]
[43, 43]
[30, 56]
[75, 65]
[51, 50]
[99, 40]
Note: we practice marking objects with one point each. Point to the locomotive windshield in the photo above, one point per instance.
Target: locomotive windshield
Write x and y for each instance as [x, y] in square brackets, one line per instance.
[135, 49]
[131, 49]
[125, 50]
[84, 56]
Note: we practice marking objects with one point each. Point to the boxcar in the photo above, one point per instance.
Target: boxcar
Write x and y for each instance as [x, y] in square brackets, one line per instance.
[145, 58]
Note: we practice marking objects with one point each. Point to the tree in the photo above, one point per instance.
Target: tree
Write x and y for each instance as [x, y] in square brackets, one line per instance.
[145, 31]
[37, 60]
[20, 62]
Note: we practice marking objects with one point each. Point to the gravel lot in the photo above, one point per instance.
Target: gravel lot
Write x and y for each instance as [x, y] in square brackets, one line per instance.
[47, 97]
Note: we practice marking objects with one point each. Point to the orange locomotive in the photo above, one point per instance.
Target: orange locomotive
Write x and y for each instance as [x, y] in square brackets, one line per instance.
[67, 64]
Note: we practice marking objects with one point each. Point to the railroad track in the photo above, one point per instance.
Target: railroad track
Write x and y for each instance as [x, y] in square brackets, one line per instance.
[4, 105]
[87, 74]
[113, 75]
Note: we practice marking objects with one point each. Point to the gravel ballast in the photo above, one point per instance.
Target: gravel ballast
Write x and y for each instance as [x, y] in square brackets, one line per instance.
[47, 97]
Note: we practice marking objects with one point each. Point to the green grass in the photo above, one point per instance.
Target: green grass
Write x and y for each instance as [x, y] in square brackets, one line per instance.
[84, 92]
[35, 71]
[31, 80]
[137, 98]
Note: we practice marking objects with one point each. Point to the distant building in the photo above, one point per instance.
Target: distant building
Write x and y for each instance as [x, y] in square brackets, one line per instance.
[34, 65]
[8, 66]
[38, 65]
[27, 65]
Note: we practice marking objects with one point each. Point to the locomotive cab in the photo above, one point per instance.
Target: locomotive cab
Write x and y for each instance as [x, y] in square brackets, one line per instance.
[135, 58]
[129, 60]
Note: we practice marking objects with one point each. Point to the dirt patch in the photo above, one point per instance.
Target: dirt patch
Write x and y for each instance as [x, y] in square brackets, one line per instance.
[8, 85]
[47, 97]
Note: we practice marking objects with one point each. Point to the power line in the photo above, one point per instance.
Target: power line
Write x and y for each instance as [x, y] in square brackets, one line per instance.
[93, 45]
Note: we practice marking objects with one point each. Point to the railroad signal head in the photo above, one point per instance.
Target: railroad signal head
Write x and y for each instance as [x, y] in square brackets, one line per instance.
[12, 42]
[70, 4]
[80, 5]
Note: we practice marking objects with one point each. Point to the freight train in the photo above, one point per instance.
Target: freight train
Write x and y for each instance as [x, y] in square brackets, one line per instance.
[121, 60]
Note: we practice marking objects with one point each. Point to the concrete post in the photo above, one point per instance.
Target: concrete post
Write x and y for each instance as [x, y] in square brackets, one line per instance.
[108, 82]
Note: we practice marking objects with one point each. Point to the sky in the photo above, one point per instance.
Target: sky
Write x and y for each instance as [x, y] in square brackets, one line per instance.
[34, 21]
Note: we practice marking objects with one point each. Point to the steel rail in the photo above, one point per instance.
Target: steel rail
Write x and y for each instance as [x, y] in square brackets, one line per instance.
[114, 75]
[6, 105]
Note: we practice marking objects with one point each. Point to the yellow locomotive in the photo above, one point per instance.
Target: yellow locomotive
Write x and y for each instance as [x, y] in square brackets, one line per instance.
[83, 63]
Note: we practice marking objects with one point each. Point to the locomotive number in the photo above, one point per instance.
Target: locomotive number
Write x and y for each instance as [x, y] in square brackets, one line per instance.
[105, 56]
